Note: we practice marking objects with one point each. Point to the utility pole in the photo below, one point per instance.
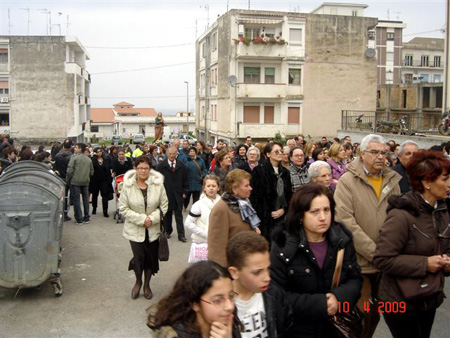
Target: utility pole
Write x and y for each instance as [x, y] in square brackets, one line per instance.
[446, 98]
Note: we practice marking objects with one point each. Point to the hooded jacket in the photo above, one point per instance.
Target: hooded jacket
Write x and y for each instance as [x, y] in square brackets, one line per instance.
[132, 206]
[295, 270]
[198, 218]
[362, 212]
[62, 162]
[408, 237]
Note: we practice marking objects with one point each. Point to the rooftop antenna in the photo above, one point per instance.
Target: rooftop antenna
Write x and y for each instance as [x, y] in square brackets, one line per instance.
[206, 7]
[9, 21]
[388, 14]
[28, 13]
[59, 25]
[398, 15]
[46, 12]
[248, 4]
[67, 24]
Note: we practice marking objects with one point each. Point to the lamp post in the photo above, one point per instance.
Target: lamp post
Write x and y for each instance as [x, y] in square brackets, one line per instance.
[187, 107]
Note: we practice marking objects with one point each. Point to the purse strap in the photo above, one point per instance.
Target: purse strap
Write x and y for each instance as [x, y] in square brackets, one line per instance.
[161, 216]
[338, 268]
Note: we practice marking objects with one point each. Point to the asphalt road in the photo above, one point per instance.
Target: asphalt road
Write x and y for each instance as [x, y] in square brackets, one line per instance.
[97, 290]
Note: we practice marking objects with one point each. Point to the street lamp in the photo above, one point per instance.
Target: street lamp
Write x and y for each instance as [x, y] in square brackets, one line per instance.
[187, 107]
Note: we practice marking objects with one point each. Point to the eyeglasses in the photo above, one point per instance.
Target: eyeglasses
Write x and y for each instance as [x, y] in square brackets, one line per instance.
[277, 152]
[220, 301]
[376, 152]
[143, 169]
[298, 156]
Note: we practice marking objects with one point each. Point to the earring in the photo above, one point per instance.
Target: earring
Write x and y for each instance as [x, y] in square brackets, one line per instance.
[428, 188]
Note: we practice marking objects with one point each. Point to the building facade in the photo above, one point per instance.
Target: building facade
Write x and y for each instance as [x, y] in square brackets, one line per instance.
[423, 60]
[261, 73]
[126, 120]
[44, 88]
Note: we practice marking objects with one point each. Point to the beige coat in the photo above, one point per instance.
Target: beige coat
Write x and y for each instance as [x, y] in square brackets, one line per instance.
[132, 206]
[358, 208]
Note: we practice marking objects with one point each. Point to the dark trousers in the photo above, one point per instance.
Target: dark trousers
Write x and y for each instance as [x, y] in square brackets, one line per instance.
[178, 219]
[195, 198]
[75, 191]
[368, 291]
[104, 190]
[411, 324]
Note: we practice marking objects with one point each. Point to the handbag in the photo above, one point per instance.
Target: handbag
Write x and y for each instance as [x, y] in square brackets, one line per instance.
[347, 324]
[163, 250]
[198, 252]
[417, 288]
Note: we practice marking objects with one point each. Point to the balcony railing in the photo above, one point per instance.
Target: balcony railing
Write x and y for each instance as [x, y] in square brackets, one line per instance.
[428, 64]
[261, 90]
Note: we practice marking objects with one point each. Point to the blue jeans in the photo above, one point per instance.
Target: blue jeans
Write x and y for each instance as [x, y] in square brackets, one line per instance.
[75, 191]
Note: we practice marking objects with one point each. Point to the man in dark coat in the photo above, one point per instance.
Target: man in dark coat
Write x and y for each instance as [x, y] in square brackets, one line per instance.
[176, 185]
[61, 163]
[405, 151]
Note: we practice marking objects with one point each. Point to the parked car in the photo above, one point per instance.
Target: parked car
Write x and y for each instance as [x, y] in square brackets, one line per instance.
[116, 139]
[138, 139]
[191, 139]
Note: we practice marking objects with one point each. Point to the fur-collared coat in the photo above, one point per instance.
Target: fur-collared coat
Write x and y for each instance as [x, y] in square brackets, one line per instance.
[132, 206]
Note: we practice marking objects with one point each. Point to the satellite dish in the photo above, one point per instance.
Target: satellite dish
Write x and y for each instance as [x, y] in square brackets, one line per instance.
[370, 52]
[232, 80]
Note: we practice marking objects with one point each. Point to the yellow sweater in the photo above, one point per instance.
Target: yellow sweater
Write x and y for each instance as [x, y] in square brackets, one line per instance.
[376, 182]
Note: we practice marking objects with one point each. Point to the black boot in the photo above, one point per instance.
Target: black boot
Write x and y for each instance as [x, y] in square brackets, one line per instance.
[148, 294]
[105, 213]
[94, 211]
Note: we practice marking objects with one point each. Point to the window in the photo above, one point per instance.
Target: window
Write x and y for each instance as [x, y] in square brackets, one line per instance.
[437, 61]
[269, 32]
[295, 76]
[408, 78]
[269, 75]
[214, 41]
[371, 35]
[4, 118]
[294, 115]
[354, 13]
[252, 33]
[424, 61]
[295, 35]
[408, 60]
[390, 36]
[269, 112]
[390, 57]
[437, 78]
[3, 55]
[251, 114]
[214, 77]
[214, 112]
[124, 130]
[424, 77]
[4, 86]
[202, 80]
[252, 75]
[203, 48]
[94, 129]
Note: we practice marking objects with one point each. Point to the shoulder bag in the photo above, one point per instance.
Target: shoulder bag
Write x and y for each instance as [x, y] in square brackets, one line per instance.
[163, 251]
[346, 324]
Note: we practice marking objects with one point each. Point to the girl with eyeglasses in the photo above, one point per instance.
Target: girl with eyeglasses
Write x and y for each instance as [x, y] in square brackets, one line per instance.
[201, 304]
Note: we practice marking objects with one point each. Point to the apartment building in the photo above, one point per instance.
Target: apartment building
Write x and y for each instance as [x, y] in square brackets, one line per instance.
[423, 60]
[44, 88]
[260, 73]
[127, 120]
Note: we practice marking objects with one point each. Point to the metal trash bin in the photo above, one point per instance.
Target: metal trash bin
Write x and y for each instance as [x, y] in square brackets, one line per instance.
[31, 224]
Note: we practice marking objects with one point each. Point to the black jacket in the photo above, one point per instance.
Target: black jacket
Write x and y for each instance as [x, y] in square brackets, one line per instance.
[264, 193]
[295, 270]
[62, 162]
[404, 182]
[121, 169]
[175, 183]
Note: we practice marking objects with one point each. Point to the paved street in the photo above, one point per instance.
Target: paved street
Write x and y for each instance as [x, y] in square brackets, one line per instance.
[97, 286]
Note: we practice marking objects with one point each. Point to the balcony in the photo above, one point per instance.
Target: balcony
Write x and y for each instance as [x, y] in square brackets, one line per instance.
[260, 50]
[73, 68]
[423, 64]
[266, 130]
[261, 90]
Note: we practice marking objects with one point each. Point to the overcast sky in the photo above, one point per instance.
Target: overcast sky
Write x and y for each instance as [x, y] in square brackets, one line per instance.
[143, 51]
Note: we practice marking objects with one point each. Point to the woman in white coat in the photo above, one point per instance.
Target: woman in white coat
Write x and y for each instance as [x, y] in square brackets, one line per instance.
[198, 218]
[142, 200]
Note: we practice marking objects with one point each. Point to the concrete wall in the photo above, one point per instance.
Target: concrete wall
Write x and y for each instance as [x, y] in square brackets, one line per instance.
[337, 74]
[41, 93]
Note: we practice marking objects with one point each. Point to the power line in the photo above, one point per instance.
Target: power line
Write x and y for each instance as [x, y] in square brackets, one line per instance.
[146, 47]
[142, 69]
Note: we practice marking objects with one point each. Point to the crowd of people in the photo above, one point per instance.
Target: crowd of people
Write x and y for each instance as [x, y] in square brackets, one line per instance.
[271, 222]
